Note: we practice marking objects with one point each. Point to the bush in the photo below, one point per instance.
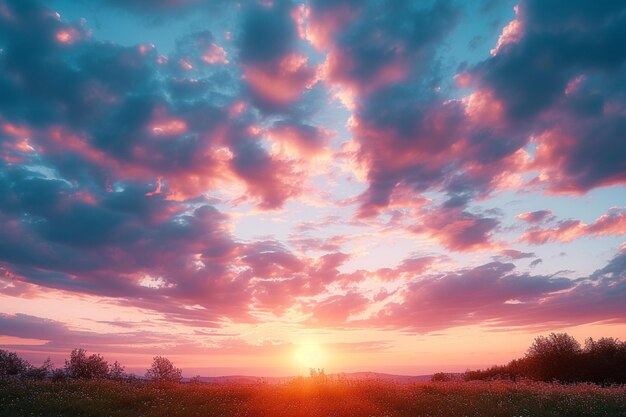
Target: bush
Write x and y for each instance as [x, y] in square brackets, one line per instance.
[116, 372]
[12, 365]
[559, 357]
[40, 372]
[163, 370]
[604, 361]
[84, 367]
[197, 380]
[555, 357]
[441, 377]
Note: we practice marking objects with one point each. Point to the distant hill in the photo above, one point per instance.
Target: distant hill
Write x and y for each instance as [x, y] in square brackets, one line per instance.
[402, 379]
[243, 379]
[346, 376]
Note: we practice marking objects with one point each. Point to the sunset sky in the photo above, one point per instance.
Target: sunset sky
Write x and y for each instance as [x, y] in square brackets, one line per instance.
[261, 186]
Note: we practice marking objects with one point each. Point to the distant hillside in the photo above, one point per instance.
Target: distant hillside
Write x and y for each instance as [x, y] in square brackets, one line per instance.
[243, 379]
[402, 379]
[346, 376]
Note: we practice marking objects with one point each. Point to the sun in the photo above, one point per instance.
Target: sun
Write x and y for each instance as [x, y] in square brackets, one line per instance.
[310, 356]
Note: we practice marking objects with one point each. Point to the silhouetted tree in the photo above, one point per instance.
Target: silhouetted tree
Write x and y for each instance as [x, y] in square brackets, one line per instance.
[559, 357]
[555, 357]
[40, 372]
[441, 377]
[163, 370]
[58, 375]
[318, 375]
[86, 367]
[116, 371]
[604, 360]
[12, 365]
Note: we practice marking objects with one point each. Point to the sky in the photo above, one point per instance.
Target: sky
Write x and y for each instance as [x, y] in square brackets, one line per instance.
[262, 186]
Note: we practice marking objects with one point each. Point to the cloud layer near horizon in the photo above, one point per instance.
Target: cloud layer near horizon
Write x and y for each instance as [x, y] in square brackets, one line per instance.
[124, 170]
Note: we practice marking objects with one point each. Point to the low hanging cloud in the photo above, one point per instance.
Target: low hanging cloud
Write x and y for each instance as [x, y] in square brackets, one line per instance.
[493, 295]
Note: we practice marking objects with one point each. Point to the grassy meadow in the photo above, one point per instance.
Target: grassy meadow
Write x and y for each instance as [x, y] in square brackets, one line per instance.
[304, 397]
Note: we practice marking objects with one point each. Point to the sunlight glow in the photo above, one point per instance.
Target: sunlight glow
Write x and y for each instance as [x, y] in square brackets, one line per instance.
[310, 356]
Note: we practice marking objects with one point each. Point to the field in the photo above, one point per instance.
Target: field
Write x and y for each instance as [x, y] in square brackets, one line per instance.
[306, 398]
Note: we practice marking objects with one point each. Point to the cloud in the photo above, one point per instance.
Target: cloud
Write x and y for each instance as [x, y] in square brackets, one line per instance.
[516, 254]
[493, 295]
[366, 54]
[58, 340]
[156, 11]
[458, 230]
[553, 82]
[58, 337]
[535, 216]
[107, 113]
[117, 162]
[335, 309]
[411, 139]
[274, 70]
[534, 301]
[611, 224]
[472, 296]
[560, 74]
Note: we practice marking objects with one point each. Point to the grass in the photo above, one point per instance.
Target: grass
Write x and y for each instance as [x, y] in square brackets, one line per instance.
[307, 398]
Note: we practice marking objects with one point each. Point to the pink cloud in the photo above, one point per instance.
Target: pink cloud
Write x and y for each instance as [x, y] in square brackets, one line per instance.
[457, 230]
[215, 54]
[611, 224]
[562, 158]
[335, 309]
[535, 216]
[299, 140]
[318, 25]
[511, 33]
[282, 82]
[516, 254]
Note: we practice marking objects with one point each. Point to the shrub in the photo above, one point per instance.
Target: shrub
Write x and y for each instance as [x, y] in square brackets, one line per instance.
[58, 375]
[555, 357]
[116, 371]
[12, 365]
[40, 372]
[84, 367]
[318, 375]
[196, 380]
[163, 370]
[441, 377]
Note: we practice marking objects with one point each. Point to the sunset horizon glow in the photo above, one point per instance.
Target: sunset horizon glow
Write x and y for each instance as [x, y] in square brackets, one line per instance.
[261, 187]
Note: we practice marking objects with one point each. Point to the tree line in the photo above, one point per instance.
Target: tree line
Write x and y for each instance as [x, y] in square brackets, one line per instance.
[83, 366]
[559, 357]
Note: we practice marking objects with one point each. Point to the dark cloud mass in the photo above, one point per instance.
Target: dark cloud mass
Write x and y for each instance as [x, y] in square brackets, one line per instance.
[564, 76]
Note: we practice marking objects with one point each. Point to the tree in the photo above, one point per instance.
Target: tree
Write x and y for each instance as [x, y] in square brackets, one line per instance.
[555, 357]
[196, 380]
[163, 370]
[441, 377]
[58, 375]
[11, 364]
[40, 372]
[318, 375]
[604, 360]
[116, 371]
[82, 366]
